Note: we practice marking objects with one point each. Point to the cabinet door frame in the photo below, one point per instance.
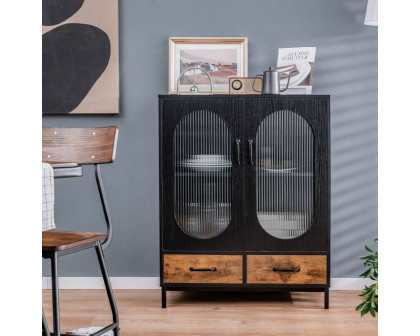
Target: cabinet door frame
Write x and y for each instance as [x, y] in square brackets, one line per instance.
[315, 110]
[172, 237]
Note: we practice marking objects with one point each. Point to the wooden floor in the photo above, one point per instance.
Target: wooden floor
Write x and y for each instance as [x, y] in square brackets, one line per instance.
[215, 313]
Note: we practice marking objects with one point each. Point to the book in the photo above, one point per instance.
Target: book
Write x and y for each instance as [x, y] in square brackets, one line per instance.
[299, 64]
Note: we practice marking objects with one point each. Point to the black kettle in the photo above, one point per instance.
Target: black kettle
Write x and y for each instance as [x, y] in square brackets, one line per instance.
[271, 81]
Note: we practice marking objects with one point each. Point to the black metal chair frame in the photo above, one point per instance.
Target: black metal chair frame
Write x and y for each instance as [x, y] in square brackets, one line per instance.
[63, 171]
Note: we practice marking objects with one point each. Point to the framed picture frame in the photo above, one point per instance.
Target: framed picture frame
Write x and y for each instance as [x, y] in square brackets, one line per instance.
[221, 57]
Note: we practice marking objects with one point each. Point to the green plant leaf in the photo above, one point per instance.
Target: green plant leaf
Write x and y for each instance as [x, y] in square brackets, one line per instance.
[360, 306]
[368, 249]
[369, 293]
[372, 312]
[365, 310]
[365, 274]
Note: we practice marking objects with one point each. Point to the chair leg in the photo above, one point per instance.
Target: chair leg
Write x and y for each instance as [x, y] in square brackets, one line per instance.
[55, 298]
[115, 319]
[45, 330]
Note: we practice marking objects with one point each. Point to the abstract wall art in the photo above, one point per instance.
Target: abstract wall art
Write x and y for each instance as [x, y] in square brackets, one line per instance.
[80, 61]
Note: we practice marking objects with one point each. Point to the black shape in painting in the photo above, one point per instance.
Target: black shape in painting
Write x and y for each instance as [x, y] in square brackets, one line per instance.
[74, 56]
[57, 11]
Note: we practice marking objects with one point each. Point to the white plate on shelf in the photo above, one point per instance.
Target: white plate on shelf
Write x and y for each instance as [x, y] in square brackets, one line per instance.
[281, 220]
[279, 170]
[207, 162]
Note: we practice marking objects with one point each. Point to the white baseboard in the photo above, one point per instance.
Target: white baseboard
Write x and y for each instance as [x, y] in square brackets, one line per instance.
[98, 283]
[349, 283]
[46, 283]
[153, 283]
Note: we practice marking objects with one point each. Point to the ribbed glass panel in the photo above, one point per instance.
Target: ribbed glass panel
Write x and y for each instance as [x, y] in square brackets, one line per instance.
[284, 158]
[203, 164]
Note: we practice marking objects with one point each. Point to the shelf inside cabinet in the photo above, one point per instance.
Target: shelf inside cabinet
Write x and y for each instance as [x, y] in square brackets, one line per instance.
[203, 174]
[268, 173]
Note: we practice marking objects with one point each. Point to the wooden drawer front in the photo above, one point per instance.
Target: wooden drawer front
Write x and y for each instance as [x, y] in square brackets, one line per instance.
[312, 269]
[177, 268]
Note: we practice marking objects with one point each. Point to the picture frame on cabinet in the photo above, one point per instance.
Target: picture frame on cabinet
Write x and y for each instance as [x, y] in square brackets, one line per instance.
[221, 57]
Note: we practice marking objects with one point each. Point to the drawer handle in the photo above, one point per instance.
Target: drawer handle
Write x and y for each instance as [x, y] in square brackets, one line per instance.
[213, 269]
[275, 269]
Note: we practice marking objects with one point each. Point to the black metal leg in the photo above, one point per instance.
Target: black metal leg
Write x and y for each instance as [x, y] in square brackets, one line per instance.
[55, 298]
[163, 297]
[108, 287]
[327, 298]
[45, 330]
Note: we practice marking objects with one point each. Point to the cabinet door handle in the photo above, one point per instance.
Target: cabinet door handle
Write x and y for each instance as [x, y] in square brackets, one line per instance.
[212, 269]
[251, 143]
[238, 151]
[276, 269]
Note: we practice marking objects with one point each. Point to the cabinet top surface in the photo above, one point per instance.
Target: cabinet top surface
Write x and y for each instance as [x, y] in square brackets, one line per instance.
[181, 96]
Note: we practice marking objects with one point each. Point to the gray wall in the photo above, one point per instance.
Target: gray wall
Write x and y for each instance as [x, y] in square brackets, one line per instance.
[345, 68]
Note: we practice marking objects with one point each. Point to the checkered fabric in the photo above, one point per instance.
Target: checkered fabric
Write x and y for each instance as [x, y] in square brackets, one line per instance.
[47, 197]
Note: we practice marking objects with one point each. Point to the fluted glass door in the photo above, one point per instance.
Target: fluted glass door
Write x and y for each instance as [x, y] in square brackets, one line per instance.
[284, 175]
[203, 174]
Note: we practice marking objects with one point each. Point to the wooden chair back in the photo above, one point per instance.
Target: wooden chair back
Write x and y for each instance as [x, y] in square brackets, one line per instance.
[79, 145]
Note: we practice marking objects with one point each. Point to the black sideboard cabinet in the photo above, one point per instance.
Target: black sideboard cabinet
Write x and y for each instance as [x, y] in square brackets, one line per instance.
[244, 193]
